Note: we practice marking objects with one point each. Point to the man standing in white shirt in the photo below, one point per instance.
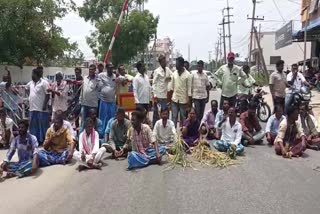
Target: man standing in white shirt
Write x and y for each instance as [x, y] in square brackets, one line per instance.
[161, 78]
[164, 129]
[228, 77]
[200, 89]
[297, 81]
[231, 134]
[181, 88]
[141, 87]
[38, 106]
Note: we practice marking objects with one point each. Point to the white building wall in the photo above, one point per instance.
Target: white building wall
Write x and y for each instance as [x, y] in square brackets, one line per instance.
[24, 74]
[290, 54]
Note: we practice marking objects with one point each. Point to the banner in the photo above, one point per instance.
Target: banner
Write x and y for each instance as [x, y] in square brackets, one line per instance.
[284, 36]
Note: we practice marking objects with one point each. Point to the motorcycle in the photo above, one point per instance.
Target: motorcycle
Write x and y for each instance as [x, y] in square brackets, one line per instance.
[263, 109]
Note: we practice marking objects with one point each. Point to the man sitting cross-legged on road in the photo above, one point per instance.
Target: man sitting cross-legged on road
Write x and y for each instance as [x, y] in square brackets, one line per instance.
[252, 131]
[209, 119]
[273, 123]
[290, 141]
[118, 135]
[231, 134]
[97, 123]
[164, 129]
[145, 149]
[309, 127]
[27, 147]
[58, 145]
[220, 116]
[89, 153]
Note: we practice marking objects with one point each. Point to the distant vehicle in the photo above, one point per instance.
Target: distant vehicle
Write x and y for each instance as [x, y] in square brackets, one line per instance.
[212, 81]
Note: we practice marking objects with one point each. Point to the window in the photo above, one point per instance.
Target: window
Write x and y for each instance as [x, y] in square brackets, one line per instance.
[274, 59]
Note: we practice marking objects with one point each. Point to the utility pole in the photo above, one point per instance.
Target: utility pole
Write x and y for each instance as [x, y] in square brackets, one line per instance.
[260, 52]
[217, 52]
[229, 22]
[220, 45]
[253, 19]
[307, 22]
[224, 39]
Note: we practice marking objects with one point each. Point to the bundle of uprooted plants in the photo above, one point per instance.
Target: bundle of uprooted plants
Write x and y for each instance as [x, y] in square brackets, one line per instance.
[203, 154]
[177, 154]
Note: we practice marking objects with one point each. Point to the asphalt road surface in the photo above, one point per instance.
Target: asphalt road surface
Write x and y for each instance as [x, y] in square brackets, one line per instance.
[261, 183]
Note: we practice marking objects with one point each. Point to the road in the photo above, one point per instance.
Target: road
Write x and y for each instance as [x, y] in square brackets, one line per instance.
[261, 183]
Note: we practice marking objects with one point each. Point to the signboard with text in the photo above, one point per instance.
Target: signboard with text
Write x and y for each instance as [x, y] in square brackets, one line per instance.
[284, 36]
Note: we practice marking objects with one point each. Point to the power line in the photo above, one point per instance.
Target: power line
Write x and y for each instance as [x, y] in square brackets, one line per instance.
[275, 4]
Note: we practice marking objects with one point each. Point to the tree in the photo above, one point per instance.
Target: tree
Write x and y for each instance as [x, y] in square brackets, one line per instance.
[136, 31]
[28, 32]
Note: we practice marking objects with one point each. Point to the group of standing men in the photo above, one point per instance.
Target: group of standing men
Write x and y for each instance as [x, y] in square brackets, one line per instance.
[106, 128]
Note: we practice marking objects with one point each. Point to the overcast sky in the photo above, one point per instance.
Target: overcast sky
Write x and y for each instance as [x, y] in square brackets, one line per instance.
[195, 22]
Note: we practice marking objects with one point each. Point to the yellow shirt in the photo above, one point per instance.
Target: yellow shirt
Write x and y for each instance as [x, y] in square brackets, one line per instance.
[181, 87]
[57, 141]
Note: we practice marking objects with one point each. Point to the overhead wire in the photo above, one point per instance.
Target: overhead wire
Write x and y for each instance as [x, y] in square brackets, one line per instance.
[275, 4]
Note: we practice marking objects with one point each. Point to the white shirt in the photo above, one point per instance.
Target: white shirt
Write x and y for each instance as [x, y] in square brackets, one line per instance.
[164, 134]
[181, 87]
[67, 125]
[141, 89]
[89, 143]
[89, 92]
[38, 93]
[160, 82]
[230, 134]
[60, 102]
[199, 84]
[9, 126]
[298, 82]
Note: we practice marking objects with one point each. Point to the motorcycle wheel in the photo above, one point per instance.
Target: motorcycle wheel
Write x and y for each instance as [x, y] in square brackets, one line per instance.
[263, 112]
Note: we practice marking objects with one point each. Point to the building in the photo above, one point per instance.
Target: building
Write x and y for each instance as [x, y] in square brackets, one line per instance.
[310, 20]
[160, 47]
[291, 54]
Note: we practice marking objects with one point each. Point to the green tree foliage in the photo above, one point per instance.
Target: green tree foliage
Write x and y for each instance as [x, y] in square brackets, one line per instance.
[136, 31]
[28, 33]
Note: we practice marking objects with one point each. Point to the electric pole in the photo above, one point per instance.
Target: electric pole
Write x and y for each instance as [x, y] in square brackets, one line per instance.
[229, 23]
[220, 45]
[253, 19]
[224, 39]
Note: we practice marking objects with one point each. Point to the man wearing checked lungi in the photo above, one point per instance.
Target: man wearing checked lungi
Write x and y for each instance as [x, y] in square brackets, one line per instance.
[58, 145]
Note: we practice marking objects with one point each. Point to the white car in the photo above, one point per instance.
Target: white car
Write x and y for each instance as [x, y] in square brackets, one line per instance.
[212, 81]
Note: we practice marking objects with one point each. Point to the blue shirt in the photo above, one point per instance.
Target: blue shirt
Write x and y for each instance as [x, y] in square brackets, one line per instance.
[219, 118]
[25, 150]
[108, 127]
[273, 124]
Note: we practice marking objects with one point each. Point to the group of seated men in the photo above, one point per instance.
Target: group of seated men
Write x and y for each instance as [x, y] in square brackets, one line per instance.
[291, 134]
[132, 139]
[143, 144]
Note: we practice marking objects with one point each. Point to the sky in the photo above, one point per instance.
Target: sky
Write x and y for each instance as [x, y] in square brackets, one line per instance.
[196, 22]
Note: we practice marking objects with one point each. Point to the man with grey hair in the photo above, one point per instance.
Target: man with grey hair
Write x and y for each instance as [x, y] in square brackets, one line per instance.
[59, 92]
